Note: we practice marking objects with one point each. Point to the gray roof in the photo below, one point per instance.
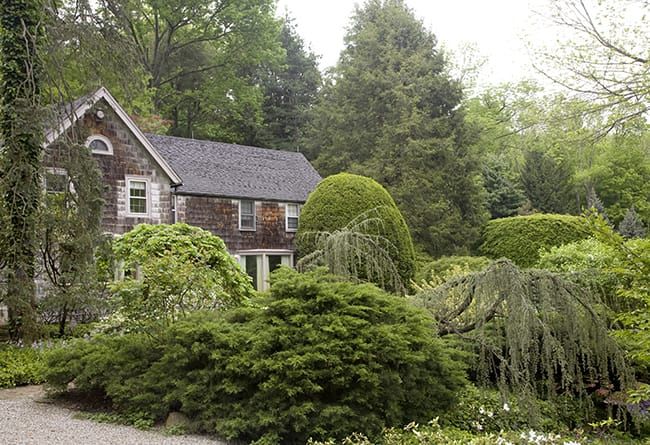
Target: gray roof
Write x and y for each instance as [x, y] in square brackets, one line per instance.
[238, 171]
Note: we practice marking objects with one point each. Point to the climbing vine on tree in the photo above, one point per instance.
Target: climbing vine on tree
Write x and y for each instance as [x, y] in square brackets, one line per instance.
[21, 133]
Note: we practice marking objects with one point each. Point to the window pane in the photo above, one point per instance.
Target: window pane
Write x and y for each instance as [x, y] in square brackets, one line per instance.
[251, 268]
[137, 197]
[275, 261]
[247, 222]
[56, 183]
[99, 145]
[292, 209]
[292, 223]
[138, 205]
[247, 207]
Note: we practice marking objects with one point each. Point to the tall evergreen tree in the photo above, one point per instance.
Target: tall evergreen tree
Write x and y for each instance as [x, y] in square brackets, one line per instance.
[290, 90]
[503, 196]
[631, 226]
[390, 111]
[547, 183]
[22, 134]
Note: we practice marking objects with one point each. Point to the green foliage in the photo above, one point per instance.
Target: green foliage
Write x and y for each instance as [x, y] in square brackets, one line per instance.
[20, 366]
[631, 226]
[343, 199]
[70, 236]
[317, 357]
[175, 269]
[390, 111]
[547, 183]
[290, 90]
[503, 195]
[21, 133]
[536, 334]
[520, 238]
[443, 268]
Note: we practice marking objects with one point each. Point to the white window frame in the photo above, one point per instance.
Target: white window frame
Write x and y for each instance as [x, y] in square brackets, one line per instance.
[58, 172]
[287, 216]
[128, 180]
[104, 139]
[247, 229]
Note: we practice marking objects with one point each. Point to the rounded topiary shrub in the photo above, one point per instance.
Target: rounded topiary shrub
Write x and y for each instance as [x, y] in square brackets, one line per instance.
[520, 238]
[317, 357]
[343, 202]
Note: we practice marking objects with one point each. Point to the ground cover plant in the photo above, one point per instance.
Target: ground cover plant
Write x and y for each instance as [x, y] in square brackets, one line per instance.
[20, 366]
[318, 357]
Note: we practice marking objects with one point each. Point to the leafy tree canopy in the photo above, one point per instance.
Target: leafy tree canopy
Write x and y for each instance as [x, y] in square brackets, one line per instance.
[390, 111]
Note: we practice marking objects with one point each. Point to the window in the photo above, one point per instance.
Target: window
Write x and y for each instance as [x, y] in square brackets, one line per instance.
[56, 180]
[246, 215]
[137, 196]
[100, 144]
[292, 212]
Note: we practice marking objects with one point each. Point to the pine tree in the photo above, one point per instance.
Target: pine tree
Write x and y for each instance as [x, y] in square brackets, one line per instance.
[631, 226]
[594, 204]
[547, 183]
[290, 90]
[390, 111]
[503, 196]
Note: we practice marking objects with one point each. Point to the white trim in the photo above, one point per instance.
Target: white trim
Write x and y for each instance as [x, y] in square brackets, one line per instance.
[104, 139]
[79, 112]
[57, 171]
[239, 215]
[147, 181]
[286, 216]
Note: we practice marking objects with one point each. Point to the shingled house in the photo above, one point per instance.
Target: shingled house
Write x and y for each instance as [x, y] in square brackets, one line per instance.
[249, 196]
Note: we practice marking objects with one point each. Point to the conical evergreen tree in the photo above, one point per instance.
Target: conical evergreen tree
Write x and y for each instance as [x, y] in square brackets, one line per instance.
[631, 226]
[390, 111]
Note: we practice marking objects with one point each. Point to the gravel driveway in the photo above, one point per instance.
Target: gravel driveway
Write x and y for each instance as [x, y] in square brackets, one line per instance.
[25, 418]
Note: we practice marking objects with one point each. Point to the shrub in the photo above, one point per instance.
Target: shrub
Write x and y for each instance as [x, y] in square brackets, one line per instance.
[319, 357]
[20, 366]
[344, 199]
[445, 267]
[175, 269]
[520, 238]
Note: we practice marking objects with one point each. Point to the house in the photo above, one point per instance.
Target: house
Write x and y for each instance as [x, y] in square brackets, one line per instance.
[249, 196]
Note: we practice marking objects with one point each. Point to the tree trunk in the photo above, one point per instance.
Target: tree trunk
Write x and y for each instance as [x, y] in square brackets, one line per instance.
[22, 133]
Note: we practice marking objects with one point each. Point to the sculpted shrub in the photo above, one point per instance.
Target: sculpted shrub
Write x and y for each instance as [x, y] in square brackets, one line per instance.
[520, 238]
[353, 222]
[317, 358]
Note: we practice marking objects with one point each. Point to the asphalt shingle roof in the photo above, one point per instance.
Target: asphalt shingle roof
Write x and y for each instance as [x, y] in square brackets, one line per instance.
[238, 171]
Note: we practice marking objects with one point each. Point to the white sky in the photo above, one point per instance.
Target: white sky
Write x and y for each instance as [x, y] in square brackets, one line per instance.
[498, 28]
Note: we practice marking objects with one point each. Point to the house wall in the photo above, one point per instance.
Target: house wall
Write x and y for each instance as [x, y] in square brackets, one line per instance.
[129, 158]
[221, 217]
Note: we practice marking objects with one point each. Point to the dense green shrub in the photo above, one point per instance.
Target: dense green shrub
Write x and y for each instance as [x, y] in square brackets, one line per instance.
[520, 238]
[446, 266]
[175, 269]
[20, 366]
[318, 357]
[345, 199]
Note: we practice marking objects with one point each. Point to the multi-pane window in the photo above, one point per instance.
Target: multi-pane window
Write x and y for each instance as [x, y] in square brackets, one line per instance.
[100, 144]
[293, 212]
[137, 197]
[246, 215]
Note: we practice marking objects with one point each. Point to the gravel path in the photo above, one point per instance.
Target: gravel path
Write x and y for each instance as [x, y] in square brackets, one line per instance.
[27, 419]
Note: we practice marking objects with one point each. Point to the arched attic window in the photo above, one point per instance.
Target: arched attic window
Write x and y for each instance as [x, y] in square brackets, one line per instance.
[100, 144]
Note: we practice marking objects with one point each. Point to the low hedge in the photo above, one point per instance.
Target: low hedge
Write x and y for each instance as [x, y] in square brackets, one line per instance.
[20, 366]
[319, 357]
[520, 238]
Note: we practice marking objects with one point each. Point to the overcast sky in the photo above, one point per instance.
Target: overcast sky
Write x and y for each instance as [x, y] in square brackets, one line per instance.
[498, 28]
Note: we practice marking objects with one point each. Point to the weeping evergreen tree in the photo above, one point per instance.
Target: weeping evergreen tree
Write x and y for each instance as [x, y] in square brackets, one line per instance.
[537, 333]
